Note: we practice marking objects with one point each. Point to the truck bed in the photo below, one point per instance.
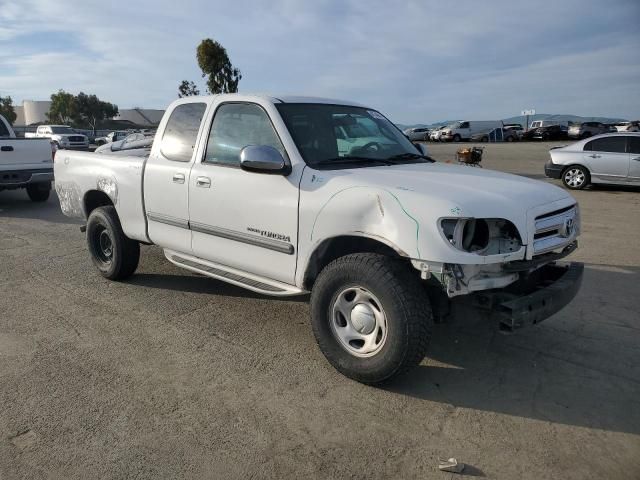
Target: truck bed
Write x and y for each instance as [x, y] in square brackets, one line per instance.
[85, 177]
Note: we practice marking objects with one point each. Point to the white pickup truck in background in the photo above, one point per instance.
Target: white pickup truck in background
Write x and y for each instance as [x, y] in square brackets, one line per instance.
[62, 136]
[290, 195]
[25, 163]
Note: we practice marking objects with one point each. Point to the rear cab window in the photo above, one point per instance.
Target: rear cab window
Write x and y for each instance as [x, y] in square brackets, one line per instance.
[4, 131]
[180, 134]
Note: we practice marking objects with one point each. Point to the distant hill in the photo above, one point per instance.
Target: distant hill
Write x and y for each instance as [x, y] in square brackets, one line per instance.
[562, 119]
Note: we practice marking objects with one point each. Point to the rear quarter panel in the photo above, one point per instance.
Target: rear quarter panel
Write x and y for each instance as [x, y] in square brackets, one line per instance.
[119, 177]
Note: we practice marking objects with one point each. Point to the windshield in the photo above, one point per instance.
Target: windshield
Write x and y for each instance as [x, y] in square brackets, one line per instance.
[62, 130]
[327, 133]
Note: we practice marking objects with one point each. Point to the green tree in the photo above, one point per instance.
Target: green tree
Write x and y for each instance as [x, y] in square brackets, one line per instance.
[187, 89]
[63, 109]
[91, 110]
[221, 75]
[7, 110]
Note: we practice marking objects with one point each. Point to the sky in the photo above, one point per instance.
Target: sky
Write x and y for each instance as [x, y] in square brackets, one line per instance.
[416, 61]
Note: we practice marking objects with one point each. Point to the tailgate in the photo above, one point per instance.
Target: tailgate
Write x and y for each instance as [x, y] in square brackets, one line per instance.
[25, 154]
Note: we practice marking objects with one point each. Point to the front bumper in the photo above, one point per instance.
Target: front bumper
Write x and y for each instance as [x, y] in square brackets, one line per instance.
[553, 287]
[552, 170]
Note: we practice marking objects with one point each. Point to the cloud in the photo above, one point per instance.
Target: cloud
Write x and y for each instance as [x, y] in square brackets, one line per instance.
[417, 61]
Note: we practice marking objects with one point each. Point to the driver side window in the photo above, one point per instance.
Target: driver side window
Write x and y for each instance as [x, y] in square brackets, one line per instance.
[238, 125]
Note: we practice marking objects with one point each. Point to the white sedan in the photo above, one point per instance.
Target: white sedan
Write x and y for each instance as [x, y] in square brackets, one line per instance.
[611, 158]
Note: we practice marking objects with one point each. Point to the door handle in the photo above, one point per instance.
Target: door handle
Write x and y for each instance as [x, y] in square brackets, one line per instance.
[204, 182]
[637, 159]
[178, 178]
[6, 148]
[594, 156]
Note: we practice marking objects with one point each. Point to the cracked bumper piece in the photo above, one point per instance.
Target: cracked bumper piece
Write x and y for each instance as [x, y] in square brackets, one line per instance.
[556, 287]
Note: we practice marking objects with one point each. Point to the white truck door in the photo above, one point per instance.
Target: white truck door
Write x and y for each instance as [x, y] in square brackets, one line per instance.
[244, 220]
[166, 176]
[607, 158]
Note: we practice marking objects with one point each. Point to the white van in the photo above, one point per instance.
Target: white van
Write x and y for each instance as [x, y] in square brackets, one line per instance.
[463, 130]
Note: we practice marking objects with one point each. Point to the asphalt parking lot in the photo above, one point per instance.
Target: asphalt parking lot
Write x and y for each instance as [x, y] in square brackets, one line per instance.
[172, 375]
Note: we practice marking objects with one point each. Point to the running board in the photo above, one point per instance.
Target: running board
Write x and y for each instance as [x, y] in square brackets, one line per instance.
[246, 280]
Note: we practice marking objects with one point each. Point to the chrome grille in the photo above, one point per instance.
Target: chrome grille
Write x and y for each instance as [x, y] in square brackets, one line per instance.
[556, 229]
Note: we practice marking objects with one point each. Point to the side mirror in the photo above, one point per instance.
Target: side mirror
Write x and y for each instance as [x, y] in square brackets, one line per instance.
[263, 159]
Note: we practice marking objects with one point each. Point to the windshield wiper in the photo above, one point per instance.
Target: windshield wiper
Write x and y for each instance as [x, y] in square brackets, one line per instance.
[353, 159]
[410, 156]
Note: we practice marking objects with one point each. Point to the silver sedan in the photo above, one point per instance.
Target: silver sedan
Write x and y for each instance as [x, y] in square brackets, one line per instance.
[612, 158]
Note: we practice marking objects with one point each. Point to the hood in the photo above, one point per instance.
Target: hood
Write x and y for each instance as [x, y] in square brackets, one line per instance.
[469, 191]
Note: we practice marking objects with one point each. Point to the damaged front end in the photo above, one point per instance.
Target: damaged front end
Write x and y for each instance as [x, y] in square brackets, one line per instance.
[515, 291]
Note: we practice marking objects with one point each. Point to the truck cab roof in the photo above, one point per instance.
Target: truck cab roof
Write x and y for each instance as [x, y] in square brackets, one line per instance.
[272, 98]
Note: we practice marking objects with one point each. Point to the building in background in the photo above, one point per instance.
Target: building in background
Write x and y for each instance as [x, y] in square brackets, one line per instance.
[35, 111]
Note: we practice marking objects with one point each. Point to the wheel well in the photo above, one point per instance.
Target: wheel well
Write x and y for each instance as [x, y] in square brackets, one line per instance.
[337, 247]
[94, 199]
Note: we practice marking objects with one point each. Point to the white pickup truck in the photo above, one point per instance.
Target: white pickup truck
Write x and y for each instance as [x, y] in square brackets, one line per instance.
[25, 163]
[62, 136]
[290, 195]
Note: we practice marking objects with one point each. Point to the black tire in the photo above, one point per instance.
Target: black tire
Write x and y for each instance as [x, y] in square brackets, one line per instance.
[403, 302]
[39, 192]
[510, 138]
[115, 256]
[484, 139]
[571, 176]
[456, 138]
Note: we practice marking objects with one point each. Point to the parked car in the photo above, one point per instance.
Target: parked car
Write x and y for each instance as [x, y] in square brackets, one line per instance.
[542, 123]
[612, 158]
[551, 132]
[254, 191]
[434, 135]
[418, 134]
[515, 127]
[628, 126]
[62, 136]
[459, 131]
[496, 135]
[25, 163]
[111, 137]
[587, 129]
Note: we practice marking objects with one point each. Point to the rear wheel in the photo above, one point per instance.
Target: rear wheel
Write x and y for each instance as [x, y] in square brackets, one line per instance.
[370, 316]
[115, 255]
[576, 177]
[39, 192]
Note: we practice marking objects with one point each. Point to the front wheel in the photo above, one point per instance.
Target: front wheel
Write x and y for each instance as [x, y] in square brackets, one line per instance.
[370, 316]
[39, 192]
[576, 177]
[457, 138]
[115, 255]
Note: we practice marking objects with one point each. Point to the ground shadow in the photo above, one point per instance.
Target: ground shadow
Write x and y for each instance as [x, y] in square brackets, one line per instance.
[580, 367]
[16, 204]
[193, 283]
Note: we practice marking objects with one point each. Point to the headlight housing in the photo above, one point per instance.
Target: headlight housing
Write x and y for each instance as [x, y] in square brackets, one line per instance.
[482, 236]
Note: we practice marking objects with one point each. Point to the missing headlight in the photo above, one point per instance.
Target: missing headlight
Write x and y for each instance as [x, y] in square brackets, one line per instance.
[488, 236]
